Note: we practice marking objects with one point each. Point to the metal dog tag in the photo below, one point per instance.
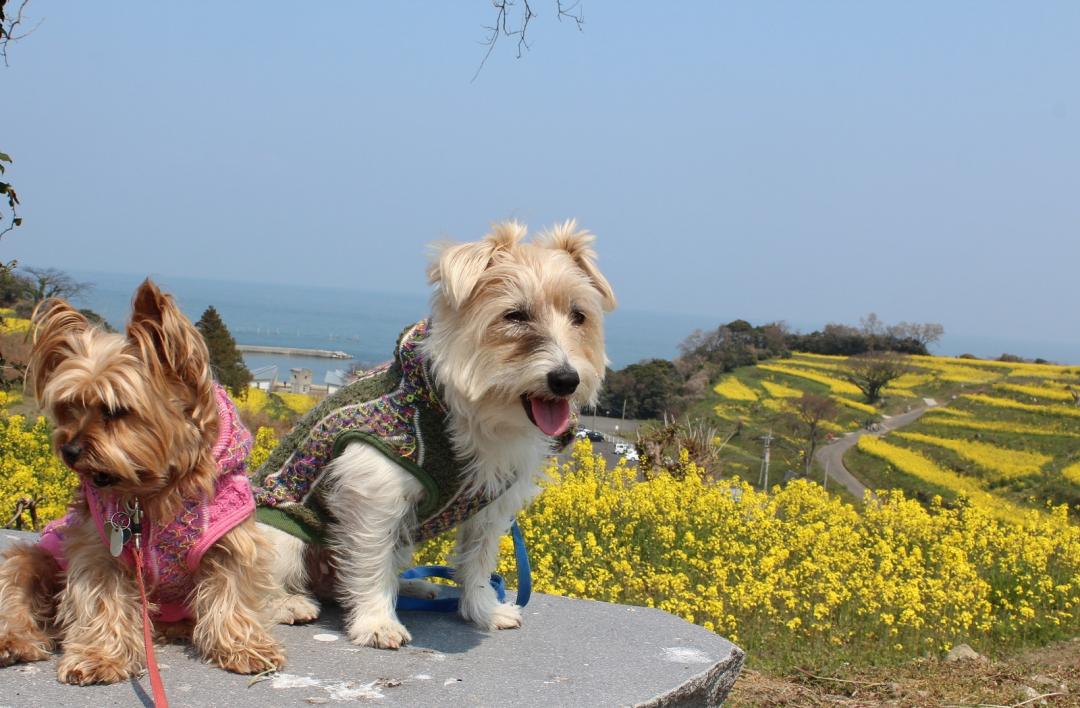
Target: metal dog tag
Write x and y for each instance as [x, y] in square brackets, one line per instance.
[119, 525]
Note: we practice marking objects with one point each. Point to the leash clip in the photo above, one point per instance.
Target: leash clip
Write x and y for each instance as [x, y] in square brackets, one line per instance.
[134, 511]
[123, 526]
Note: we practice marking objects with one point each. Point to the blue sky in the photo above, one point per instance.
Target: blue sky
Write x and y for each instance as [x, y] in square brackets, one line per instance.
[801, 161]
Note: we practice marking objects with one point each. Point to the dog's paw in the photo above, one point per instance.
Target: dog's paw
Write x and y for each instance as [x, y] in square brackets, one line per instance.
[14, 650]
[297, 609]
[92, 667]
[505, 616]
[379, 632]
[418, 588]
[484, 610]
[257, 655]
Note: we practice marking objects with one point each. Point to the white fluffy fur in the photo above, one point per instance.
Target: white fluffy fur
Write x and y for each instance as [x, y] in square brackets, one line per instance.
[484, 364]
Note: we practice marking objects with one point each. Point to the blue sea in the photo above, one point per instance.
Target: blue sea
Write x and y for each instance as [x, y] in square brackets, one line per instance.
[366, 324]
[363, 324]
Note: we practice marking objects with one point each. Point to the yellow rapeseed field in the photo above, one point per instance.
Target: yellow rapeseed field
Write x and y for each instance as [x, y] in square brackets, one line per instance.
[856, 405]
[256, 400]
[14, 325]
[779, 390]
[1053, 393]
[835, 384]
[965, 421]
[1062, 411]
[1072, 473]
[917, 465]
[733, 389]
[1005, 463]
[912, 380]
[795, 574]
[28, 468]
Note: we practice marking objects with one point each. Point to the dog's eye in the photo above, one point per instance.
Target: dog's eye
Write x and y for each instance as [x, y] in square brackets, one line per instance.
[516, 316]
[577, 317]
[116, 413]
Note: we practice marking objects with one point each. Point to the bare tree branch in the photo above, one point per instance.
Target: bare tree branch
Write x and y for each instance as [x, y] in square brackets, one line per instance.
[8, 194]
[45, 283]
[9, 24]
[572, 11]
[505, 26]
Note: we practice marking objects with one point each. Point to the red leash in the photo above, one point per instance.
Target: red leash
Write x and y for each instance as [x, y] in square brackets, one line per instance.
[156, 686]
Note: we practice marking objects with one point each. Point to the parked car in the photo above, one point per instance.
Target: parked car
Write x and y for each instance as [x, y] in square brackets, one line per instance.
[631, 455]
[621, 448]
[581, 433]
[595, 436]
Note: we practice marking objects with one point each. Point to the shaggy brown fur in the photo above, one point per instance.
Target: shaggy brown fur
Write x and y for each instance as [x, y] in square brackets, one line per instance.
[134, 415]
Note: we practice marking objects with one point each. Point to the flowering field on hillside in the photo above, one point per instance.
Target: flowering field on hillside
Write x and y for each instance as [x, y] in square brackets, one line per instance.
[1016, 437]
[1007, 430]
[795, 575]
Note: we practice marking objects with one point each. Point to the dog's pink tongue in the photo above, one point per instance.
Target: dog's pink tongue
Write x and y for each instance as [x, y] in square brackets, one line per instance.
[553, 417]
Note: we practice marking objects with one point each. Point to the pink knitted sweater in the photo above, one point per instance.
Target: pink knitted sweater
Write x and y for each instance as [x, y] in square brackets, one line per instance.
[174, 547]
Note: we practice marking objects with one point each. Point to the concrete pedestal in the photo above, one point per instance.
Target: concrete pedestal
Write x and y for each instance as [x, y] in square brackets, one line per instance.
[568, 653]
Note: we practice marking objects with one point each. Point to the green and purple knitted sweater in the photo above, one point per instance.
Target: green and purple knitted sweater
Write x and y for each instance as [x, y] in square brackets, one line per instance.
[395, 409]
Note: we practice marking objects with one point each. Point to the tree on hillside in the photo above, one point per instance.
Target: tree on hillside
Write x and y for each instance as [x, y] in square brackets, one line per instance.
[738, 343]
[648, 389]
[43, 283]
[12, 287]
[871, 325]
[925, 333]
[872, 334]
[225, 361]
[807, 416]
[873, 371]
[96, 319]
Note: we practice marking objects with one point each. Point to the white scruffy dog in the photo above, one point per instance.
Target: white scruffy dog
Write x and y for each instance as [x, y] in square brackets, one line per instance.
[516, 340]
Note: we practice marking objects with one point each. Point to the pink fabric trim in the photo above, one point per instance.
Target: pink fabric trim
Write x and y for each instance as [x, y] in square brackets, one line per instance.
[52, 538]
[237, 486]
[171, 612]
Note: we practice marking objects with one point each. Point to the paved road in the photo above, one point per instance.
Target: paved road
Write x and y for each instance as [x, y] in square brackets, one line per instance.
[831, 456]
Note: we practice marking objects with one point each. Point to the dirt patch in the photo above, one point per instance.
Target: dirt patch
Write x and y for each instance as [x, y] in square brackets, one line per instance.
[1028, 678]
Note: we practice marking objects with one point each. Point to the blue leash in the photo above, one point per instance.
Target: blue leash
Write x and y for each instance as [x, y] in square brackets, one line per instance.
[450, 604]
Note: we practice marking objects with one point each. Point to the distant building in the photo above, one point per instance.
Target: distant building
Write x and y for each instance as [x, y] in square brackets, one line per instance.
[335, 380]
[300, 380]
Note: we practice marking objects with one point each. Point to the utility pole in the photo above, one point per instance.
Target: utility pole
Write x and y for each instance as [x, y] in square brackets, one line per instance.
[763, 479]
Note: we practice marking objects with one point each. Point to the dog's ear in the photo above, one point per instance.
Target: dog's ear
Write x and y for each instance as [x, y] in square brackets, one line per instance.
[52, 323]
[457, 267]
[578, 243]
[167, 341]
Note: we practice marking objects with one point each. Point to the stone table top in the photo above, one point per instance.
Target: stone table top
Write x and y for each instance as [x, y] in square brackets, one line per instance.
[568, 653]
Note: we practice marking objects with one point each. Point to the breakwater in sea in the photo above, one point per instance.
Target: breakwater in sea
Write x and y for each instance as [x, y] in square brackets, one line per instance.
[292, 351]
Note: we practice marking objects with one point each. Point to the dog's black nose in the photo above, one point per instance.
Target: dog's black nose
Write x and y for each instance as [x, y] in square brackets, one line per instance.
[70, 452]
[563, 381]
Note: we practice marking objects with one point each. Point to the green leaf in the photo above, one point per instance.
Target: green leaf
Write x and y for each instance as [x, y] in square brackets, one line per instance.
[4, 157]
[17, 222]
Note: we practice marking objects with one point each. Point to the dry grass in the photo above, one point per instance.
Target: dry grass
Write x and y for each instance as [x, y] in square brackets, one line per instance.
[1052, 673]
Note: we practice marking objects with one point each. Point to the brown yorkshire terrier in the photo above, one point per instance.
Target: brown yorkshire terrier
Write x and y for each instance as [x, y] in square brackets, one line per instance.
[159, 452]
